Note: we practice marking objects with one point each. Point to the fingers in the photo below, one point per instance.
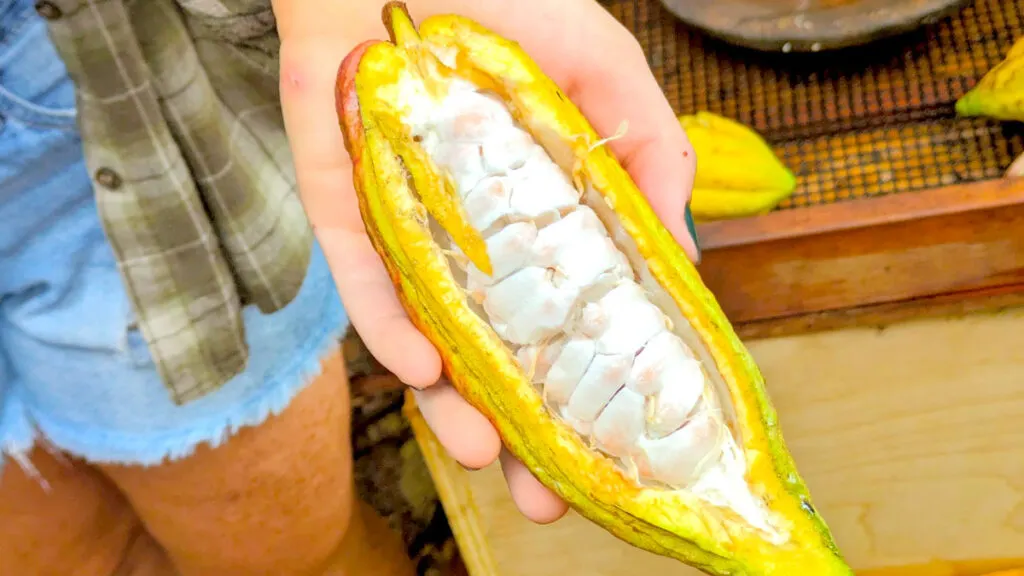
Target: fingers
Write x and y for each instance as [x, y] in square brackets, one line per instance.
[654, 149]
[463, 432]
[325, 179]
[324, 173]
[473, 442]
[369, 298]
[533, 499]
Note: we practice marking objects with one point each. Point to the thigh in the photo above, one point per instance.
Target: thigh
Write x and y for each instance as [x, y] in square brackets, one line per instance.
[62, 519]
[276, 498]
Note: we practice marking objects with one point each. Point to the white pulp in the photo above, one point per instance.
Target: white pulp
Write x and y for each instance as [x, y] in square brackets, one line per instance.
[566, 300]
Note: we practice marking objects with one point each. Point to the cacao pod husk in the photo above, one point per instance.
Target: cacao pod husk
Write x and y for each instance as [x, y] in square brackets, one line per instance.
[736, 505]
[738, 174]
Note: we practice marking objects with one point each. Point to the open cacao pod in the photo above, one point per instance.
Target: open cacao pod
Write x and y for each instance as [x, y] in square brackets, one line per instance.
[562, 308]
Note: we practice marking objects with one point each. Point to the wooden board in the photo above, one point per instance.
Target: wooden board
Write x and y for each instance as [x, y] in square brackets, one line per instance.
[869, 260]
[909, 437]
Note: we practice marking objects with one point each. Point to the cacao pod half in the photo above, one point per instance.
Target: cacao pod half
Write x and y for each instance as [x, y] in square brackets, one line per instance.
[562, 308]
[999, 94]
[720, 191]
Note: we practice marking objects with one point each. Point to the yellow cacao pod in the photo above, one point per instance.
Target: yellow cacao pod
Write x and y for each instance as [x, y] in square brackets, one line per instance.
[1000, 95]
[562, 308]
[738, 174]
[1000, 92]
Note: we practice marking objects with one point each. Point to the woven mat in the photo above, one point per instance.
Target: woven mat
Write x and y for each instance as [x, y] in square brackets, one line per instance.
[872, 120]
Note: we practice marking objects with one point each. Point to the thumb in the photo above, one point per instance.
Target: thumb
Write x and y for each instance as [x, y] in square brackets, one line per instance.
[654, 149]
[603, 70]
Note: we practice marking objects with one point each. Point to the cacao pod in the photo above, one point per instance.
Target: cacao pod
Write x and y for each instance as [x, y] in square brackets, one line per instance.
[561, 306]
[999, 94]
[720, 190]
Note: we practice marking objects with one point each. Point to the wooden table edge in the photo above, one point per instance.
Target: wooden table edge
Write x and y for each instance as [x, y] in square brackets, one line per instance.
[984, 214]
[454, 492]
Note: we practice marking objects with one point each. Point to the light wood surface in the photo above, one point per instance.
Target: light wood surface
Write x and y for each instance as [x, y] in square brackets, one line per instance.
[911, 439]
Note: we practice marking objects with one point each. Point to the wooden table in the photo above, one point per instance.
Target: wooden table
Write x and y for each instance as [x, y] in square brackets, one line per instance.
[910, 437]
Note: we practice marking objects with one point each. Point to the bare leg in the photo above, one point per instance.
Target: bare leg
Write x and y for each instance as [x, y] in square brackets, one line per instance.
[79, 525]
[274, 499]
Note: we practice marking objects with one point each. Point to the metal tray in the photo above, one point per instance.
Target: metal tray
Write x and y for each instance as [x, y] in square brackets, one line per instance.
[808, 25]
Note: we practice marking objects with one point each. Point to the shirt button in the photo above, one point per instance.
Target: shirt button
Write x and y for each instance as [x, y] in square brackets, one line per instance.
[108, 178]
[48, 10]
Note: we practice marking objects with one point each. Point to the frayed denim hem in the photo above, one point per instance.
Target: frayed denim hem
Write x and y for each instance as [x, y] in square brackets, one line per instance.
[17, 436]
[100, 446]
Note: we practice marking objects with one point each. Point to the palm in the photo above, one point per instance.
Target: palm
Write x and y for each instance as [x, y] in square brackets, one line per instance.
[600, 67]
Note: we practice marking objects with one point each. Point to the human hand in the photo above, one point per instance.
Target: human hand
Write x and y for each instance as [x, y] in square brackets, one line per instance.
[598, 65]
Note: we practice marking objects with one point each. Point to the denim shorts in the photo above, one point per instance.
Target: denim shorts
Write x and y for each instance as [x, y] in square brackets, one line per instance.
[73, 370]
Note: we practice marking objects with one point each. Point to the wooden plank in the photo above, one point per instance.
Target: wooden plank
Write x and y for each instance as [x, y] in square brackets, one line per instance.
[990, 300]
[453, 489]
[908, 437]
[890, 255]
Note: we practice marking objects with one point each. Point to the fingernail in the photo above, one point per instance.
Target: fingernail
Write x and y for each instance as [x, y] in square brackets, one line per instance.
[693, 230]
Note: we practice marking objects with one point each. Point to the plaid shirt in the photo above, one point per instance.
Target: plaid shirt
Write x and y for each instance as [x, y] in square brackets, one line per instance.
[182, 130]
